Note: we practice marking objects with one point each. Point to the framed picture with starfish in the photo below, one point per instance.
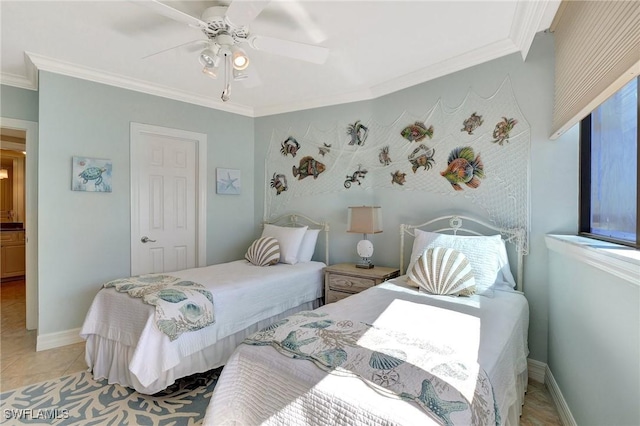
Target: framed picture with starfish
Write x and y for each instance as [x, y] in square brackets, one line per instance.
[228, 181]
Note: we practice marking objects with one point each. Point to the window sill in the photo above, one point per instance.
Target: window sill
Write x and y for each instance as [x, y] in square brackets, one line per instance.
[621, 261]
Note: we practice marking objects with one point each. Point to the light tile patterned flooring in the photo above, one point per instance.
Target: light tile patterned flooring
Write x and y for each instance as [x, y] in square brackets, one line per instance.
[21, 365]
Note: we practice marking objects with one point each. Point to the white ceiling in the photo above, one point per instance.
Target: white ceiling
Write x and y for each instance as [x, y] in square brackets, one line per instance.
[376, 47]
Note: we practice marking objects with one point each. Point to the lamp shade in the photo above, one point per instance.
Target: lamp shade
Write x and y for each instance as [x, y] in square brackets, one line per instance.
[4, 173]
[365, 220]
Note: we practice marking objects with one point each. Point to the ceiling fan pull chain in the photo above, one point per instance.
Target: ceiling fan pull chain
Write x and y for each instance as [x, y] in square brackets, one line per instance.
[225, 92]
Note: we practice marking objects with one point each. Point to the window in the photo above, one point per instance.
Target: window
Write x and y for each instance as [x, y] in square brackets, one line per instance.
[609, 158]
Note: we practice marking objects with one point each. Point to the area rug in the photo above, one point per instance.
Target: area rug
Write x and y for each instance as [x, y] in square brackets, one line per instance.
[79, 400]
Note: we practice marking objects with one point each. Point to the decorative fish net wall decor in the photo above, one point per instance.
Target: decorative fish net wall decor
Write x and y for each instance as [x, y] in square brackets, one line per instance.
[479, 150]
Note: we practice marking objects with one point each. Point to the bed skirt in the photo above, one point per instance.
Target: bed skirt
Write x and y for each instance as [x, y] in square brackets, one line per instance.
[512, 416]
[109, 359]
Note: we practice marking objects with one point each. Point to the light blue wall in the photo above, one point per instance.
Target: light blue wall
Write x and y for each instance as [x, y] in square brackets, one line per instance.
[554, 167]
[84, 238]
[20, 104]
[594, 342]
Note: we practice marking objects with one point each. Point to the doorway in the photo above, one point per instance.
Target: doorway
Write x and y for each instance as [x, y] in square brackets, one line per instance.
[21, 138]
[168, 199]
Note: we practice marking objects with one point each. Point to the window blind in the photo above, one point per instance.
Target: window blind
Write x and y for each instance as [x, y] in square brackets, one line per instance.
[597, 47]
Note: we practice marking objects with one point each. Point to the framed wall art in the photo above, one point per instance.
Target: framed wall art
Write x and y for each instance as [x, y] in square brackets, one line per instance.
[91, 174]
[228, 181]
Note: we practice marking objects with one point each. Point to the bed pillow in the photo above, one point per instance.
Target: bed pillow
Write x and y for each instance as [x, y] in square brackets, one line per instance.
[289, 238]
[441, 270]
[308, 245]
[486, 254]
[264, 252]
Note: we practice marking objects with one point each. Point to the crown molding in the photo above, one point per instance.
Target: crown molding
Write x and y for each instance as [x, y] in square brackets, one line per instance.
[320, 102]
[526, 22]
[44, 63]
[458, 63]
[18, 81]
[29, 82]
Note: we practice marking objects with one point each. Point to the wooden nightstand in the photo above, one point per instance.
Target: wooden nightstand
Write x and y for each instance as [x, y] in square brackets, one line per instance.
[344, 279]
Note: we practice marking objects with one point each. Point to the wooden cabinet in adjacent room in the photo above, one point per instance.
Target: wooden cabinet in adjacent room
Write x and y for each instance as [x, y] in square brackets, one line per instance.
[12, 260]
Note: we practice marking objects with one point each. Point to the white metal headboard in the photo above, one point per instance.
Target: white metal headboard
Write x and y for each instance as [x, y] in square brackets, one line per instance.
[299, 220]
[455, 225]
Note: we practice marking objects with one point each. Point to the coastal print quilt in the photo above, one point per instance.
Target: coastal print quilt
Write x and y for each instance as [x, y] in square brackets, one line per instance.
[180, 306]
[394, 364]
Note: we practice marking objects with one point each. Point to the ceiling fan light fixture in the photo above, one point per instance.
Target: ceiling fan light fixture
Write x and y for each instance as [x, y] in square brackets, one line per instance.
[209, 57]
[210, 71]
[239, 59]
[239, 75]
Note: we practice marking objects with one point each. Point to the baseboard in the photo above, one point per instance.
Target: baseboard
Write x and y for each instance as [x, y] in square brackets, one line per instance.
[55, 340]
[561, 404]
[536, 370]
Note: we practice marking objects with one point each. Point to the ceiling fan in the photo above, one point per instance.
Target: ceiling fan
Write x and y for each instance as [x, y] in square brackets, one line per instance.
[226, 30]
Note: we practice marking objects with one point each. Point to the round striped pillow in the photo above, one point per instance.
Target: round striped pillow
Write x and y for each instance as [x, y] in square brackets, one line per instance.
[264, 251]
[441, 270]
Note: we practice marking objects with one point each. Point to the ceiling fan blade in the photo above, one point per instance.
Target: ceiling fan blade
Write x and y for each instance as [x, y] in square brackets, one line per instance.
[191, 46]
[171, 13]
[242, 12]
[291, 49]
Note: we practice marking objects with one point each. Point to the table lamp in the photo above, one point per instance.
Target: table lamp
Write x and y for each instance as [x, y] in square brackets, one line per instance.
[365, 220]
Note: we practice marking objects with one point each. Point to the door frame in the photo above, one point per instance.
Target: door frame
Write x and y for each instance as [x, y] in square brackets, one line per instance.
[31, 206]
[201, 184]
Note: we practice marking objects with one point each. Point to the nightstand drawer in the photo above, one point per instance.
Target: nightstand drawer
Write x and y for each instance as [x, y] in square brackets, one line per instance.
[349, 284]
[334, 296]
[344, 279]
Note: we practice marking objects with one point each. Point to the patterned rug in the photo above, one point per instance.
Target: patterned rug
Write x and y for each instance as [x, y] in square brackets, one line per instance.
[80, 400]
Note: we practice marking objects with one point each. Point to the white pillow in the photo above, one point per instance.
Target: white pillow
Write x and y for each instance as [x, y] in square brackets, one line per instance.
[308, 246]
[441, 270]
[263, 252]
[289, 238]
[486, 254]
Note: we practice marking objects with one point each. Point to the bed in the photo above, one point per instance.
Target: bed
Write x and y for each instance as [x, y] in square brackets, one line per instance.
[264, 384]
[124, 344]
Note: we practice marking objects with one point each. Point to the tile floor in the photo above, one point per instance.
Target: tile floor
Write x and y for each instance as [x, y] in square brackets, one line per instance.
[21, 365]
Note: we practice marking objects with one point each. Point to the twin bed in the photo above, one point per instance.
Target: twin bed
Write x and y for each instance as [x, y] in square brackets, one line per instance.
[124, 345]
[375, 347]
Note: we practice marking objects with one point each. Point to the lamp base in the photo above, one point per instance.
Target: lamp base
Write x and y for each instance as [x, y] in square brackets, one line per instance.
[364, 264]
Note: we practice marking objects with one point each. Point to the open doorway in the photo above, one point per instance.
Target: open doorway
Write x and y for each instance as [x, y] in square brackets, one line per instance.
[18, 221]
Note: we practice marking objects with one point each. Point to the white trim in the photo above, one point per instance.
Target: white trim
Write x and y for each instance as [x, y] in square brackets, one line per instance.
[57, 339]
[44, 63]
[561, 404]
[201, 195]
[526, 22]
[18, 81]
[31, 220]
[479, 56]
[537, 370]
[621, 261]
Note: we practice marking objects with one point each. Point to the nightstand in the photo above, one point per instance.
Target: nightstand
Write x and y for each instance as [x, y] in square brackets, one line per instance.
[344, 279]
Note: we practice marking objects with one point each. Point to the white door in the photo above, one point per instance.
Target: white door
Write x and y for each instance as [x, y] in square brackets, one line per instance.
[164, 199]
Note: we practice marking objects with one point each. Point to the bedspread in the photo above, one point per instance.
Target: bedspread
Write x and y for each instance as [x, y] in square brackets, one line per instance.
[491, 331]
[244, 295]
[392, 363]
[180, 305]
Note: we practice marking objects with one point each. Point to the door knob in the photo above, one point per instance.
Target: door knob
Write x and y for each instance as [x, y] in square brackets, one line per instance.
[146, 239]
